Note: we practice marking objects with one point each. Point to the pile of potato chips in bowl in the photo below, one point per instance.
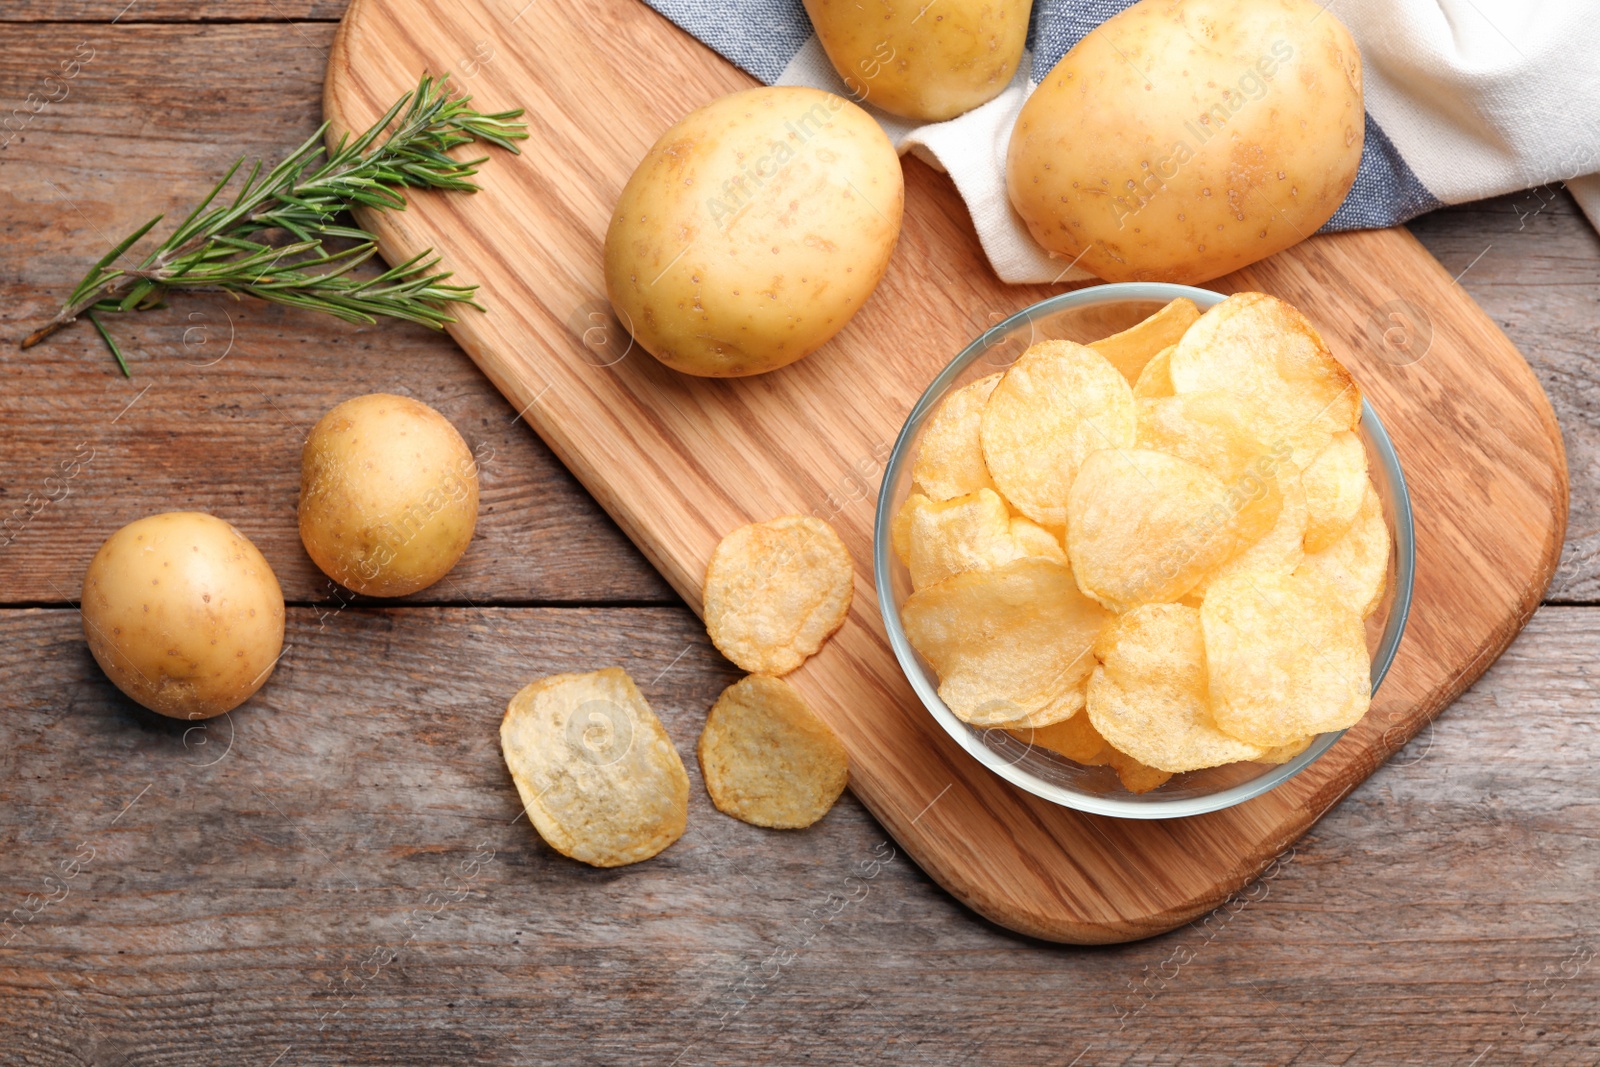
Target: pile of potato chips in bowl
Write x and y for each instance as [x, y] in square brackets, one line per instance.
[1145, 551]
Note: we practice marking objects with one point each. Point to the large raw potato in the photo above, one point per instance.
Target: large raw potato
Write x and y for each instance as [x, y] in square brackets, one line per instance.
[927, 61]
[753, 230]
[1184, 139]
[388, 495]
[183, 613]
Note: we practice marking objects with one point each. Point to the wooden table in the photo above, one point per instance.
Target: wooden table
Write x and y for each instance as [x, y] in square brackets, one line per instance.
[336, 873]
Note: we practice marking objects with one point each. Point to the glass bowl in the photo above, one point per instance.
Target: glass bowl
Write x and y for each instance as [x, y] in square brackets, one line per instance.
[1086, 315]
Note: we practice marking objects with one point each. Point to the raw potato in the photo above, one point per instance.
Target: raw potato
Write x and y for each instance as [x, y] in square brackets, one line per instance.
[1149, 698]
[1057, 404]
[895, 55]
[753, 230]
[388, 495]
[950, 452]
[1356, 567]
[596, 771]
[1183, 140]
[1284, 658]
[775, 591]
[766, 757]
[1011, 645]
[1335, 483]
[183, 614]
[1145, 527]
[1260, 347]
[1132, 350]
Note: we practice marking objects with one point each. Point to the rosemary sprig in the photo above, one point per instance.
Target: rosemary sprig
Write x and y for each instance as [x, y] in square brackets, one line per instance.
[225, 247]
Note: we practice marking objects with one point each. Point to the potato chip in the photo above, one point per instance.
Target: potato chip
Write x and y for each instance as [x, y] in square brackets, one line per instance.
[1035, 540]
[1335, 483]
[1011, 645]
[775, 591]
[1146, 527]
[1284, 753]
[1135, 776]
[1356, 566]
[1281, 549]
[767, 759]
[1262, 348]
[1058, 403]
[947, 537]
[1132, 349]
[1149, 697]
[1213, 428]
[1156, 378]
[1075, 738]
[949, 455]
[597, 774]
[900, 525]
[1285, 658]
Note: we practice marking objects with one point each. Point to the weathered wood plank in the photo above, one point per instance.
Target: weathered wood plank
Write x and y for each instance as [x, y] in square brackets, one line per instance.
[223, 392]
[134, 11]
[312, 887]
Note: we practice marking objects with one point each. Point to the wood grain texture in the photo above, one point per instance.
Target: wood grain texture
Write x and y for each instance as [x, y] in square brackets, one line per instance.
[300, 892]
[130, 12]
[224, 392]
[1481, 447]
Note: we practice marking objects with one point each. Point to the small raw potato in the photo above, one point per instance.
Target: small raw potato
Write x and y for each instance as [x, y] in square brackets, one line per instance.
[1145, 527]
[1285, 658]
[1132, 350]
[1075, 738]
[1282, 548]
[596, 771]
[968, 532]
[1265, 350]
[1149, 696]
[766, 757]
[775, 591]
[1012, 645]
[1156, 378]
[926, 68]
[1336, 483]
[1057, 404]
[1183, 139]
[1356, 567]
[1213, 428]
[950, 452]
[183, 614]
[753, 230]
[1284, 753]
[1135, 776]
[388, 495]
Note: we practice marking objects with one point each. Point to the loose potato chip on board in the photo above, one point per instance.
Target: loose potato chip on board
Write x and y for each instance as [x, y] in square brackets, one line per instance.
[596, 771]
[775, 591]
[1285, 658]
[1149, 697]
[1280, 754]
[1146, 527]
[1075, 738]
[1281, 549]
[1058, 403]
[949, 455]
[1156, 378]
[1011, 645]
[1135, 776]
[1335, 483]
[1132, 349]
[1259, 346]
[767, 759]
[1213, 428]
[1356, 566]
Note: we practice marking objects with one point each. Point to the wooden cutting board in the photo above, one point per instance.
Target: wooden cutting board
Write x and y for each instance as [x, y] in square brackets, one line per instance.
[679, 461]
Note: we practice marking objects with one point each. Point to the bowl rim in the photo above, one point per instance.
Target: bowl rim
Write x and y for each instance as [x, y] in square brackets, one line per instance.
[965, 735]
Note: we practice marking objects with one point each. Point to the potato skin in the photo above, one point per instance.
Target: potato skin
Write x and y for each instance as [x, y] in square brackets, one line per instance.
[1188, 138]
[183, 614]
[388, 495]
[911, 59]
[753, 230]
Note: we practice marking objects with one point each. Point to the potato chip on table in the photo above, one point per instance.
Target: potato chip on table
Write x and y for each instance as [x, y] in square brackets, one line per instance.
[1057, 404]
[1012, 645]
[1131, 350]
[597, 773]
[775, 591]
[766, 757]
[1150, 699]
[1285, 658]
[949, 453]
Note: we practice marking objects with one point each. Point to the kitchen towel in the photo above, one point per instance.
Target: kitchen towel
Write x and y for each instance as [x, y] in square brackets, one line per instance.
[1465, 99]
